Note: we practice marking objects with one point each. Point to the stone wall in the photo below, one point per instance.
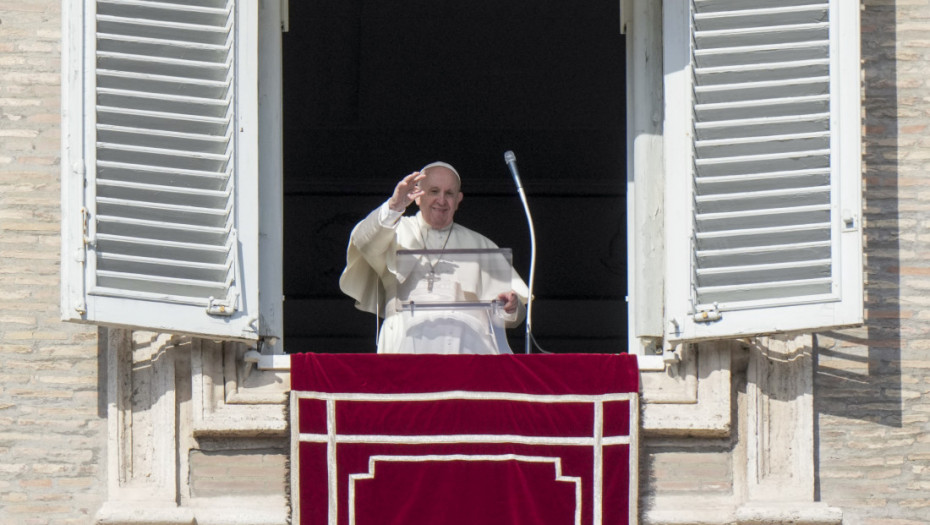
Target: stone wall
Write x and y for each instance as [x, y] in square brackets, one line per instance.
[52, 421]
[872, 390]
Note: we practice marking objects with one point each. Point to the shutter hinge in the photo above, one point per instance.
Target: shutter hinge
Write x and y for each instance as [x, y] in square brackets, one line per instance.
[707, 314]
[626, 15]
[285, 16]
[86, 239]
[80, 256]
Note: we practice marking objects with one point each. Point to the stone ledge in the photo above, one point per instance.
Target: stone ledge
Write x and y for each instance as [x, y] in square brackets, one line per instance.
[777, 513]
[226, 422]
[143, 513]
[207, 511]
[723, 515]
[259, 510]
[689, 512]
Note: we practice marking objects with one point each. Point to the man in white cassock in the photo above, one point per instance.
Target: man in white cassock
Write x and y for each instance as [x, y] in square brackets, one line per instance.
[381, 282]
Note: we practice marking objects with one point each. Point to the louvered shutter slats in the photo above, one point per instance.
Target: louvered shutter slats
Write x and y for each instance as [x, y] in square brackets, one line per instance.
[165, 147]
[777, 107]
[207, 111]
[777, 204]
[160, 230]
[765, 181]
[741, 15]
[166, 143]
[762, 145]
[747, 257]
[762, 127]
[170, 176]
[193, 179]
[171, 213]
[173, 253]
[167, 86]
[761, 292]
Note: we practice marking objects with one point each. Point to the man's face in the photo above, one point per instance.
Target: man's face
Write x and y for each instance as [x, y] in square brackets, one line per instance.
[441, 197]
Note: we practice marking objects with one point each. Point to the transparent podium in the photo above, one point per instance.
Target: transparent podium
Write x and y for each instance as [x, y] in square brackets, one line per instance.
[448, 300]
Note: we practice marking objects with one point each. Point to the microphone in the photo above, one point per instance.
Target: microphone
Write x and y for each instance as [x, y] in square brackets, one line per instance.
[511, 161]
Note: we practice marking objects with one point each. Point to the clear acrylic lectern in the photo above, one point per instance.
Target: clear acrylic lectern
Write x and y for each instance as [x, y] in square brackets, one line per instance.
[448, 300]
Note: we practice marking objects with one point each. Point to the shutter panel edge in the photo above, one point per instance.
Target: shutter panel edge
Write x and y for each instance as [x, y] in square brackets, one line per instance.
[843, 305]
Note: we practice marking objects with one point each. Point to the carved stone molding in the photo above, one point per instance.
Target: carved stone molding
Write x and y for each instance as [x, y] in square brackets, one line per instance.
[692, 396]
[779, 437]
[780, 420]
[773, 447]
[232, 397]
[141, 415]
[142, 434]
[160, 387]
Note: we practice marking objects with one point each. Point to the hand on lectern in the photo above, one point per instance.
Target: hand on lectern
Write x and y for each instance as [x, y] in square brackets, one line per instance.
[510, 301]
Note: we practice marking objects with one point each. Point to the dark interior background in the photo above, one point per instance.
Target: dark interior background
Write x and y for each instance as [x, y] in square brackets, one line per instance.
[373, 90]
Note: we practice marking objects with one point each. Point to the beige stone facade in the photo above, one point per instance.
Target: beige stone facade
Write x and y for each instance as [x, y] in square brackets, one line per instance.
[52, 413]
[114, 427]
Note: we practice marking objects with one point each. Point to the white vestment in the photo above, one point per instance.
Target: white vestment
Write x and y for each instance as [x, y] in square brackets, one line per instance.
[372, 278]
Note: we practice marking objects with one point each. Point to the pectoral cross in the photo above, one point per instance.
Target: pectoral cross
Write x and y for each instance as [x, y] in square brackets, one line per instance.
[431, 278]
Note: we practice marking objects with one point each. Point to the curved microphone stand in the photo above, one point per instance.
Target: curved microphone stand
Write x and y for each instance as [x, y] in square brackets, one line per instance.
[511, 161]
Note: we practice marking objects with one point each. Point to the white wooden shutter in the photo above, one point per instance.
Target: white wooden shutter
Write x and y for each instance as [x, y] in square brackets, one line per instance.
[762, 165]
[160, 173]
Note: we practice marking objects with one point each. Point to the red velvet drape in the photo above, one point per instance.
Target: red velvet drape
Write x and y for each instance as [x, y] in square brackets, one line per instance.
[516, 439]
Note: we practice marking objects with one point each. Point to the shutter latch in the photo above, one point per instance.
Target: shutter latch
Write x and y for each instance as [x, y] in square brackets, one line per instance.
[707, 314]
[224, 308]
[850, 221]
